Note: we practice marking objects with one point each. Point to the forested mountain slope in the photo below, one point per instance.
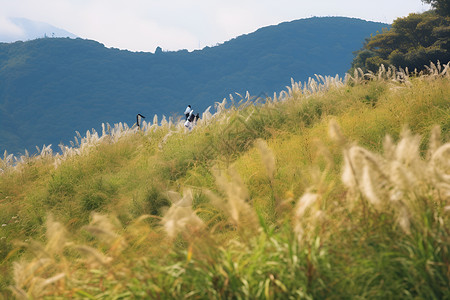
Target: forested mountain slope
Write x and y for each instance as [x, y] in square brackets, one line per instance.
[51, 87]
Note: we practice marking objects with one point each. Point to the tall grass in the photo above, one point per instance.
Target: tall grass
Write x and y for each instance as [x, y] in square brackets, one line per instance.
[336, 188]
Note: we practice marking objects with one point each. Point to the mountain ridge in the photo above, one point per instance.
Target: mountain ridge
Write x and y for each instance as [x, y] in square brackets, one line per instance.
[52, 87]
[24, 29]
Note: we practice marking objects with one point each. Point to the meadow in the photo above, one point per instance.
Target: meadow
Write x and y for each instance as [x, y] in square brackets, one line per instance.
[335, 188]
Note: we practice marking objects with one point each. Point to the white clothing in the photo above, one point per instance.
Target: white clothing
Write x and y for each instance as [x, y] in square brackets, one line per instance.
[188, 124]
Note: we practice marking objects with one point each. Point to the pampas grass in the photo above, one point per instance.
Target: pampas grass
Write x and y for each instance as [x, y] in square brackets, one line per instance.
[267, 157]
[261, 201]
[180, 217]
[236, 196]
[314, 86]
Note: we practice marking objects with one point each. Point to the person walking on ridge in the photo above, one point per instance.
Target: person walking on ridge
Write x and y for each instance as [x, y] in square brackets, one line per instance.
[190, 120]
[188, 111]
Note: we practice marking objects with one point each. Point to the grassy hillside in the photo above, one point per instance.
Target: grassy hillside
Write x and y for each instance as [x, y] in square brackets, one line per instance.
[51, 87]
[337, 189]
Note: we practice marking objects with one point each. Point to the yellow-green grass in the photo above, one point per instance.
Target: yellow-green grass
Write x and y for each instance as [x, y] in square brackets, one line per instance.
[340, 245]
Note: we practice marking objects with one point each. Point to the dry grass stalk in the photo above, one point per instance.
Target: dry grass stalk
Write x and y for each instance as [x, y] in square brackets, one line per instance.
[31, 277]
[105, 229]
[401, 177]
[180, 217]
[94, 257]
[56, 236]
[335, 133]
[236, 196]
[308, 216]
[267, 156]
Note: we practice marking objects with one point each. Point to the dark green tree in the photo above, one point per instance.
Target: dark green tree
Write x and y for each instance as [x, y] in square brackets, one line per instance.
[412, 42]
[442, 7]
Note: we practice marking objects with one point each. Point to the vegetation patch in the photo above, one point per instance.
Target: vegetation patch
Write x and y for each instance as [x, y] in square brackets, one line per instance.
[335, 189]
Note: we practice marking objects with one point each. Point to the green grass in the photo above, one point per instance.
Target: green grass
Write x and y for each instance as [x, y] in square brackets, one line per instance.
[96, 226]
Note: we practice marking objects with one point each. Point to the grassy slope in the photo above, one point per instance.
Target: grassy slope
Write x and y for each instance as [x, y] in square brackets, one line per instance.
[340, 247]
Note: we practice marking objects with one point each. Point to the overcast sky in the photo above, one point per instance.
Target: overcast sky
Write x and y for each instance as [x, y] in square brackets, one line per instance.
[142, 25]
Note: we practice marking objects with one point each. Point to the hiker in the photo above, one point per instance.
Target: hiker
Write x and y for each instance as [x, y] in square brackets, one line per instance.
[187, 111]
[187, 124]
[137, 120]
[189, 119]
[191, 116]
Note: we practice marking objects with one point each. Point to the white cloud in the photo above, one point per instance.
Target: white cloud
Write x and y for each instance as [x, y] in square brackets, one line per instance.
[235, 20]
[121, 27]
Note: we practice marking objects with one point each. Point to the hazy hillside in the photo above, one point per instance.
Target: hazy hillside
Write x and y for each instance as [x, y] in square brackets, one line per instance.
[25, 29]
[51, 87]
[340, 191]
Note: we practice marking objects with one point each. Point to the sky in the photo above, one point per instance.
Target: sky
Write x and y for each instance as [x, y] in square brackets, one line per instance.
[143, 25]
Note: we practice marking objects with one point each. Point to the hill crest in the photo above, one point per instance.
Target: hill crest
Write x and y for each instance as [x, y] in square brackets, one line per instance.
[22, 29]
[53, 87]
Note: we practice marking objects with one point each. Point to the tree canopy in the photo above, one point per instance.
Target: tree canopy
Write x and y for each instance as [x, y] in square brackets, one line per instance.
[412, 42]
[442, 7]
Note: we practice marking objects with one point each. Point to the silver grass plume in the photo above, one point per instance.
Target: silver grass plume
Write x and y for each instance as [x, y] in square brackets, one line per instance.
[180, 217]
[267, 156]
[439, 170]
[103, 129]
[164, 122]
[7, 162]
[165, 139]
[335, 133]
[435, 141]
[408, 149]
[56, 236]
[105, 228]
[303, 210]
[220, 106]
[388, 147]
[206, 115]
[27, 275]
[400, 177]
[236, 195]
[93, 256]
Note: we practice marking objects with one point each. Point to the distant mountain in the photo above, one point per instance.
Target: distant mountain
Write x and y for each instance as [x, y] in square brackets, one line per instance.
[51, 87]
[25, 30]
